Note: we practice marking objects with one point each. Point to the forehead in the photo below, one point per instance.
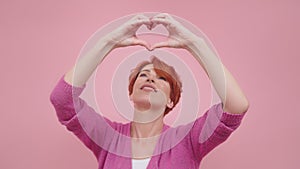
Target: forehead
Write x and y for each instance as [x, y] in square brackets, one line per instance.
[151, 69]
[148, 67]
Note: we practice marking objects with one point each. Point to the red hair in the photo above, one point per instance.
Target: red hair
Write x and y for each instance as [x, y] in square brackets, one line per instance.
[164, 70]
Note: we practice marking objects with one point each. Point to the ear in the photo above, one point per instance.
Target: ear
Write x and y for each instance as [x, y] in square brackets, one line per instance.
[170, 104]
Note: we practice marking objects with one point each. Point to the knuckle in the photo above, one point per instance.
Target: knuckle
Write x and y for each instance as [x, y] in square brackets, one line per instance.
[140, 16]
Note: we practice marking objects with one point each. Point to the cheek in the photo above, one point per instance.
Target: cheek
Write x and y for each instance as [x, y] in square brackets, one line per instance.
[158, 99]
[136, 86]
[137, 81]
[166, 89]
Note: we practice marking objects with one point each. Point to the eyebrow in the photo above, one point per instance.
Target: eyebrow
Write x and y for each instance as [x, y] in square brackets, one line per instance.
[146, 70]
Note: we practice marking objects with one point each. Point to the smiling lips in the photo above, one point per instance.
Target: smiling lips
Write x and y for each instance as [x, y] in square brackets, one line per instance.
[149, 88]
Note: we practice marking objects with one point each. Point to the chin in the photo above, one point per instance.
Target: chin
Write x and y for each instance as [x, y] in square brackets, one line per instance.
[141, 103]
[144, 102]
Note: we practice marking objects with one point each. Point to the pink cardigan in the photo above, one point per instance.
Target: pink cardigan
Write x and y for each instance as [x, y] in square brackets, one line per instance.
[178, 148]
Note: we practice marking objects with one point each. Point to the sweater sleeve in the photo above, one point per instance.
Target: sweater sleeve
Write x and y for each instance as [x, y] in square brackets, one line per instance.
[213, 128]
[77, 116]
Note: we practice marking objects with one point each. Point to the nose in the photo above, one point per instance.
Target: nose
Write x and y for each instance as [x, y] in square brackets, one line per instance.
[150, 79]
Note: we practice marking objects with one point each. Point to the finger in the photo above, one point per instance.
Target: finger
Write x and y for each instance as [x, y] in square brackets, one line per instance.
[133, 41]
[141, 19]
[139, 23]
[161, 18]
[157, 21]
[136, 41]
[161, 15]
[160, 45]
[151, 25]
[165, 16]
[140, 16]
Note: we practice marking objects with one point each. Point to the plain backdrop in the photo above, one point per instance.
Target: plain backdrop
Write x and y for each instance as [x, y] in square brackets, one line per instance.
[258, 40]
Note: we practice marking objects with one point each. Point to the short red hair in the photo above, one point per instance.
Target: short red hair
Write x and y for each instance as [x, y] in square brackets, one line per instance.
[164, 70]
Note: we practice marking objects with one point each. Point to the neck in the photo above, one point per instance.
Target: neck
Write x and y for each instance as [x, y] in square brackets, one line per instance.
[146, 130]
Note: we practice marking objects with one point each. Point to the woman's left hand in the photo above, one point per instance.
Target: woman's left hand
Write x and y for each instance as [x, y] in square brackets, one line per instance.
[233, 99]
[179, 36]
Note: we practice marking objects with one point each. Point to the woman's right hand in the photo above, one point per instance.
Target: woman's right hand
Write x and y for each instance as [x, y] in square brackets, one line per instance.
[125, 35]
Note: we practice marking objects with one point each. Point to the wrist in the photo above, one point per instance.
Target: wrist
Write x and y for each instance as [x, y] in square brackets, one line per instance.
[198, 45]
[201, 51]
[102, 47]
[109, 42]
[195, 44]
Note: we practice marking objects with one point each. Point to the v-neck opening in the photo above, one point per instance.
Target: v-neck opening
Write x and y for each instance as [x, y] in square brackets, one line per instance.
[154, 156]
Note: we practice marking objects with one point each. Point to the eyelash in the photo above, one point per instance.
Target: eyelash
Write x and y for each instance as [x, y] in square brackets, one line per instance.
[162, 78]
[145, 75]
[142, 75]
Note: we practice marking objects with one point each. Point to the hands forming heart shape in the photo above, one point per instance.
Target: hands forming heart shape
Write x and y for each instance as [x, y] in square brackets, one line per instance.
[125, 35]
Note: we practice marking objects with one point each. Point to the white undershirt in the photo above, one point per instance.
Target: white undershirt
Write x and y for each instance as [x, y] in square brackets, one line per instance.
[140, 164]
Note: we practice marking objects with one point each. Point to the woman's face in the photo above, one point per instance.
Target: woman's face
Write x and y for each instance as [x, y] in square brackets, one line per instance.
[150, 90]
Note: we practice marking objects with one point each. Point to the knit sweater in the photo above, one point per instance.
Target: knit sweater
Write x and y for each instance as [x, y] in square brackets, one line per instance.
[180, 147]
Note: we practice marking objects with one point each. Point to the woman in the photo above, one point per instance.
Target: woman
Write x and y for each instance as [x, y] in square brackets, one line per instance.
[154, 90]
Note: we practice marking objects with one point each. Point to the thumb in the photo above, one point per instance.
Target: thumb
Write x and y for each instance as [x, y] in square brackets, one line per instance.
[160, 45]
[136, 41]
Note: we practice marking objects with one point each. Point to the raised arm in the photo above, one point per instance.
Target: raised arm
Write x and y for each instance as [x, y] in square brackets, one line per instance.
[123, 36]
[233, 99]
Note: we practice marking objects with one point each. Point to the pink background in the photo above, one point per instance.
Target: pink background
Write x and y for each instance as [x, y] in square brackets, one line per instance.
[257, 40]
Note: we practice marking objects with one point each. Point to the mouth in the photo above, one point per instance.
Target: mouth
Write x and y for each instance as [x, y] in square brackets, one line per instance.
[148, 88]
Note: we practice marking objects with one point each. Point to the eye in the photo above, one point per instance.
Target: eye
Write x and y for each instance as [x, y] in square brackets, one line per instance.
[162, 78]
[142, 75]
